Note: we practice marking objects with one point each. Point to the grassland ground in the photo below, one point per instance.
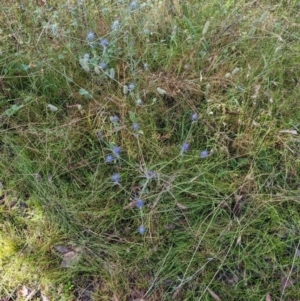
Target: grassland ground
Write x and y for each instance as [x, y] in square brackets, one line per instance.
[149, 150]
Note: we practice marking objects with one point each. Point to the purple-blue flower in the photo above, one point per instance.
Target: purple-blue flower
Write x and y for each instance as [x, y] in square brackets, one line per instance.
[139, 203]
[109, 159]
[130, 87]
[194, 116]
[134, 5]
[90, 36]
[115, 25]
[141, 229]
[115, 178]
[203, 154]
[116, 151]
[150, 175]
[104, 42]
[135, 126]
[184, 147]
[102, 65]
[114, 119]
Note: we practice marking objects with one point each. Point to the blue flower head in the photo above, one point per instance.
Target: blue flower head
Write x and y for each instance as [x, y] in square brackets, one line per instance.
[204, 154]
[134, 5]
[116, 151]
[141, 229]
[150, 175]
[184, 147]
[135, 126]
[115, 25]
[130, 87]
[109, 159]
[90, 36]
[102, 65]
[194, 116]
[139, 203]
[103, 42]
[114, 119]
[115, 178]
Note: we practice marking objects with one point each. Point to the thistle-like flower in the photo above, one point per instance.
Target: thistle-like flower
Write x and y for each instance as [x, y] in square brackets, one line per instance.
[115, 178]
[102, 65]
[103, 42]
[115, 25]
[149, 175]
[184, 147]
[135, 126]
[116, 151]
[141, 229]
[139, 203]
[114, 119]
[194, 116]
[134, 5]
[204, 154]
[130, 87]
[90, 36]
[109, 159]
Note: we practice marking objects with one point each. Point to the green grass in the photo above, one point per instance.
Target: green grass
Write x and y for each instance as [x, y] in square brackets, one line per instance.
[225, 226]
